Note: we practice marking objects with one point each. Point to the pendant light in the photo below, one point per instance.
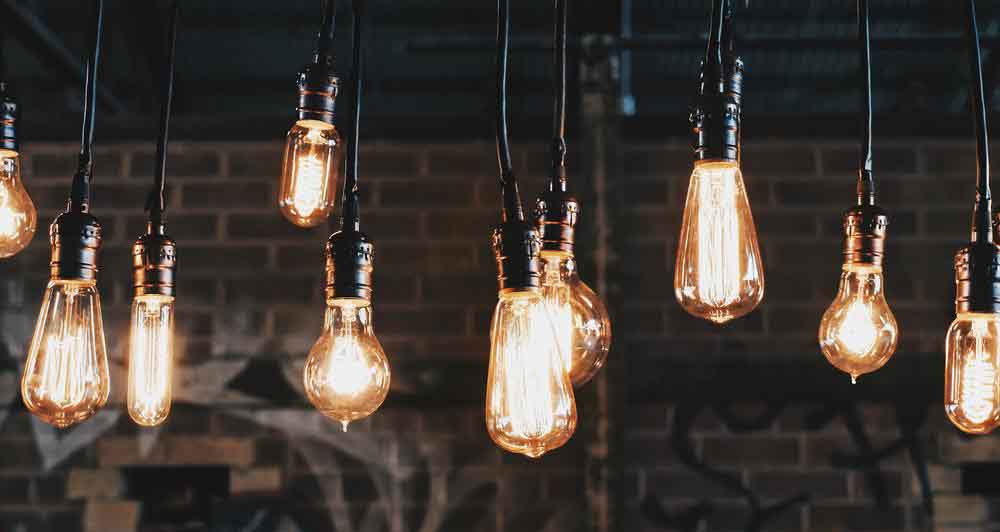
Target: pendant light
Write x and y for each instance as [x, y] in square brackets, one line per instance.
[18, 216]
[310, 173]
[718, 275]
[65, 377]
[972, 347]
[347, 375]
[530, 408]
[858, 333]
[154, 266]
[581, 320]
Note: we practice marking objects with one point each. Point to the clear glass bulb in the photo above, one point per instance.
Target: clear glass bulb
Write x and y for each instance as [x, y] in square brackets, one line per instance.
[347, 374]
[150, 363]
[530, 408]
[858, 333]
[18, 216]
[582, 325]
[972, 365]
[719, 275]
[310, 175]
[66, 378]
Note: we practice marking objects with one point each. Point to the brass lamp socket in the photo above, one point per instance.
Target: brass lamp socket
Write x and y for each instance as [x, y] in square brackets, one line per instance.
[517, 248]
[317, 93]
[8, 120]
[154, 262]
[977, 278]
[715, 118]
[350, 263]
[864, 235]
[556, 213]
[75, 239]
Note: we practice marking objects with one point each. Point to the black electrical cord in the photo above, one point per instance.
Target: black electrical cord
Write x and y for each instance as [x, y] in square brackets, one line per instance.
[981, 228]
[352, 216]
[324, 43]
[866, 179]
[713, 73]
[558, 180]
[508, 182]
[80, 196]
[156, 204]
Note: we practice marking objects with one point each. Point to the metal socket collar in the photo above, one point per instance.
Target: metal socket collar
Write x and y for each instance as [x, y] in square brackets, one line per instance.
[154, 263]
[556, 212]
[317, 93]
[350, 263]
[864, 235]
[977, 278]
[716, 117]
[75, 238]
[8, 120]
[517, 248]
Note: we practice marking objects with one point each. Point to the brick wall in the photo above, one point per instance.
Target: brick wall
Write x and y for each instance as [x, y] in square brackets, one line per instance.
[250, 305]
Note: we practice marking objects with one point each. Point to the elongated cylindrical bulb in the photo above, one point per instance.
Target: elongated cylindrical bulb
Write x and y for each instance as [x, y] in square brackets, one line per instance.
[310, 176]
[972, 368]
[150, 359]
[347, 374]
[530, 408]
[18, 216]
[580, 319]
[718, 275]
[858, 332]
[66, 378]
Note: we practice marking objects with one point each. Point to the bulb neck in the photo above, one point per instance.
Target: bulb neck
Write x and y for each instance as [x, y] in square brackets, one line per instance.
[517, 248]
[8, 120]
[556, 213]
[350, 265]
[864, 235]
[318, 88]
[977, 278]
[154, 262]
[717, 113]
[75, 239]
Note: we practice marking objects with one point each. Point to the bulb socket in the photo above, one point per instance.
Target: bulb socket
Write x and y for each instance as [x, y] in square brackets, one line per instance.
[517, 248]
[715, 117]
[977, 278]
[317, 93]
[864, 235]
[154, 263]
[8, 120]
[556, 213]
[350, 264]
[75, 239]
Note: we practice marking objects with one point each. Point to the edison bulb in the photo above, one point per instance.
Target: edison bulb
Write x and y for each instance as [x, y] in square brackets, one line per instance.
[310, 177]
[971, 393]
[858, 333]
[66, 378]
[150, 363]
[530, 408]
[580, 319]
[347, 374]
[718, 275]
[18, 216]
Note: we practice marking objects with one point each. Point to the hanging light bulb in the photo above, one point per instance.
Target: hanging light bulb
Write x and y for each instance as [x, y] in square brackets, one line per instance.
[582, 325]
[718, 275]
[972, 352]
[310, 174]
[18, 216]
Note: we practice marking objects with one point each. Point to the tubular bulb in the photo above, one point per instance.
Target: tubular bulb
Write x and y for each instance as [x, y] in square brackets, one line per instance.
[971, 393]
[18, 216]
[582, 325]
[530, 407]
[347, 374]
[66, 378]
[718, 275]
[151, 353]
[310, 176]
[858, 333]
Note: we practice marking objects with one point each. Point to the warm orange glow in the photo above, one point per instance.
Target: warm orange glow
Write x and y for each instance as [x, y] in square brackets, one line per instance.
[718, 275]
[971, 394]
[310, 177]
[150, 363]
[18, 216]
